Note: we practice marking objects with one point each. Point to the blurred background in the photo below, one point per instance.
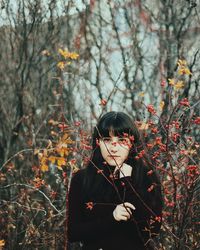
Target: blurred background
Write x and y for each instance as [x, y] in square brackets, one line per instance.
[64, 63]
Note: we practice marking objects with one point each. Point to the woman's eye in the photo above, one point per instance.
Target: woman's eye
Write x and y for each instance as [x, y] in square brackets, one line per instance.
[123, 140]
[106, 140]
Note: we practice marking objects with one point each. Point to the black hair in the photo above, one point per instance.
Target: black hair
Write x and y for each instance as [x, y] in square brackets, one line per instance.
[96, 186]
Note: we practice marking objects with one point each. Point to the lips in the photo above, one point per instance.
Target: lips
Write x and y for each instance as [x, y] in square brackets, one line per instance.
[113, 156]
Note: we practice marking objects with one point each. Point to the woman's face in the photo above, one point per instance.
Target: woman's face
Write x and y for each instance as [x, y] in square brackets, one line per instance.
[115, 149]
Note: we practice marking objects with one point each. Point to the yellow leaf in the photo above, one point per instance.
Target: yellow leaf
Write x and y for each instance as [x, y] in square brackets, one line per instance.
[141, 94]
[66, 54]
[61, 65]
[61, 161]
[44, 168]
[73, 55]
[2, 243]
[62, 148]
[179, 85]
[184, 71]
[75, 170]
[60, 151]
[192, 152]
[52, 159]
[162, 104]
[63, 53]
[171, 81]
[182, 63]
[65, 137]
[43, 160]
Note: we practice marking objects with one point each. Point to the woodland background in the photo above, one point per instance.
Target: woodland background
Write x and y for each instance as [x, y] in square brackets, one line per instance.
[63, 64]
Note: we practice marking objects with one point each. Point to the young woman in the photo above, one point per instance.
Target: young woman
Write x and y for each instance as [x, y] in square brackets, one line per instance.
[115, 203]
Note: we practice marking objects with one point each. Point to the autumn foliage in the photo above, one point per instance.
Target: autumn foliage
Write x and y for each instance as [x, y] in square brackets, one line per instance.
[36, 217]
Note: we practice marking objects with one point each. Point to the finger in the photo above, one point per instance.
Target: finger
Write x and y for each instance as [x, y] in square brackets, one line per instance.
[126, 214]
[127, 210]
[128, 204]
[123, 217]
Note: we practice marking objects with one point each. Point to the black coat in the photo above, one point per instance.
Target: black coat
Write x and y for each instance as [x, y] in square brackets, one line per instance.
[93, 223]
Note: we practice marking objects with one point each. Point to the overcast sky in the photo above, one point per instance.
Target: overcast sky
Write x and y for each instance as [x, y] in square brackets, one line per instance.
[75, 5]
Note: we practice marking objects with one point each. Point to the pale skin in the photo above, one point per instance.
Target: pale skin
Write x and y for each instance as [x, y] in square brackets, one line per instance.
[115, 151]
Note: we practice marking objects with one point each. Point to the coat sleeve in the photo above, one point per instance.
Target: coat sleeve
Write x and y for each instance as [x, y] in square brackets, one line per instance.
[78, 228]
[147, 200]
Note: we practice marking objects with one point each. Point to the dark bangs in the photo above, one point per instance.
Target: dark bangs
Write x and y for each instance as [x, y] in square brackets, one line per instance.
[114, 127]
[116, 124]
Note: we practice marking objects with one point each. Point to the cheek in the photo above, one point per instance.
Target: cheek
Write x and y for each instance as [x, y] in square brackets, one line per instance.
[125, 152]
[103, 149]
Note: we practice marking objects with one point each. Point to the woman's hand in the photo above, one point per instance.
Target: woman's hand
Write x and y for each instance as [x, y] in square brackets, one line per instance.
[125, 170]
[123, 211]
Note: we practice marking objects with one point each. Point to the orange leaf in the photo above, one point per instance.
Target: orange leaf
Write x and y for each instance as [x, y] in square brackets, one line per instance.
[44, 168]
[2, 243]
[61, 161]
[52, 159]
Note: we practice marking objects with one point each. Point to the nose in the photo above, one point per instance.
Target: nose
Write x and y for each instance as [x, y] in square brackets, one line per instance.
[113, 147]
[113, 150]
